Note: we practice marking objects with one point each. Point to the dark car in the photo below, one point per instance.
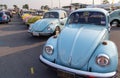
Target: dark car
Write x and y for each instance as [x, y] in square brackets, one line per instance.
[9, 13]
[4, 18]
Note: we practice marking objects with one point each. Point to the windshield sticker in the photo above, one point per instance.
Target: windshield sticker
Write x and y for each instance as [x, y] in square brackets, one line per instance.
[102, 22]
[86, 14]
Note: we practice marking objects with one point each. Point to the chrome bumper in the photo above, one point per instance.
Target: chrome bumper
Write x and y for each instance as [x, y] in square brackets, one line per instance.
[79, 72]
[40, 33]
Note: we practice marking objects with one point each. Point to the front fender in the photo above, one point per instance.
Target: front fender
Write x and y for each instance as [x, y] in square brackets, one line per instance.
[53, 42]
[110, 50]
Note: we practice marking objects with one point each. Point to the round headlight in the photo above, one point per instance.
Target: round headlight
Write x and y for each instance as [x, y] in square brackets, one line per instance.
[102, 60]
[49, 49]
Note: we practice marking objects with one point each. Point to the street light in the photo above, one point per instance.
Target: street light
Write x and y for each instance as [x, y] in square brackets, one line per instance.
[51, 3]
[71, 1]
[59, 4]
[93, 3]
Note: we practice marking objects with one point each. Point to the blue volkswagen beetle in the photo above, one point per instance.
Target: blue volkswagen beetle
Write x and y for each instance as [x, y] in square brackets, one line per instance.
[52, 21]
[115, 18]
[83, 47]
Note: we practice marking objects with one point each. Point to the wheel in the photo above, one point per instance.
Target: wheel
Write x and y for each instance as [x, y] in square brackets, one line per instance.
[115, 23]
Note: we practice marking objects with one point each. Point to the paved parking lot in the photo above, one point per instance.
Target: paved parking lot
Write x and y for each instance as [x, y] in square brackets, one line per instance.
[19, 52]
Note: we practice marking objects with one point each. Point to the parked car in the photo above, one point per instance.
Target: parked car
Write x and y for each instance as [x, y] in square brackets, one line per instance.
[115, 18]
[83, 47]
[52, 21]
[37, 16]
[9, 13]
[4, 18]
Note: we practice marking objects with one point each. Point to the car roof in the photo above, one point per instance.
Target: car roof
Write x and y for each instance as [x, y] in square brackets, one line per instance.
[114, 11]
[93, 9]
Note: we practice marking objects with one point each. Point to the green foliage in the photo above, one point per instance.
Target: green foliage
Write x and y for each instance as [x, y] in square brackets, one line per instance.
[46, 7]
[26, 6]
[15, 6]
[3, 6]
[105, 2]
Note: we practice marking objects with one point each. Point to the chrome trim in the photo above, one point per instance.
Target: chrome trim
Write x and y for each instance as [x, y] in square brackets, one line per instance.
[50, 53]
[41, 33]
[79, 72]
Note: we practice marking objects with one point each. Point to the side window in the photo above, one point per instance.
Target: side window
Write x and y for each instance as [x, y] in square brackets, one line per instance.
[119, 13]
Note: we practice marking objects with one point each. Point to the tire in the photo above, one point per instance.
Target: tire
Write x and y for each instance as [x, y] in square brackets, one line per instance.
[115, 23]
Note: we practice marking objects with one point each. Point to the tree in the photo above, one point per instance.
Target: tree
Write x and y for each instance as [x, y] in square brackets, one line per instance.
[5, 6]
[105, 2]
[46, 7]
[42, 7]
[26, 6]
[15, 6]
[1, 6]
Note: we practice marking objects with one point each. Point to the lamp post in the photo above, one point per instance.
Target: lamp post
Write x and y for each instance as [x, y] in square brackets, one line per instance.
[71, 1]
[93, 3]
[59, 4]
[51, 3]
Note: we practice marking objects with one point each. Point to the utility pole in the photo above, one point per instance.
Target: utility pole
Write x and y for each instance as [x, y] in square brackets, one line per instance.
[59, 4]
[112, 5]
[71, 1]
[51, 3]
[93, 3]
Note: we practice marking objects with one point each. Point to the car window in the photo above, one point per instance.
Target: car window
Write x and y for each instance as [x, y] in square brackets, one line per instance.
[41, 13]
[8, 13]
[63, 15]
[86, 17]
[51, 15]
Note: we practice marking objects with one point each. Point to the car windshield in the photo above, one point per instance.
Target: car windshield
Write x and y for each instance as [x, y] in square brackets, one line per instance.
[8, 13]
[51, 15]
[41, 13]
[87, 17]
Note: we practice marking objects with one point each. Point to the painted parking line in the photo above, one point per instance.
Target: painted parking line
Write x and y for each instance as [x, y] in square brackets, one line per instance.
[32, 70]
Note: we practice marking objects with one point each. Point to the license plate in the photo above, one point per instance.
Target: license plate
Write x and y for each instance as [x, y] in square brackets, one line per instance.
[65, 74]
[35, 34]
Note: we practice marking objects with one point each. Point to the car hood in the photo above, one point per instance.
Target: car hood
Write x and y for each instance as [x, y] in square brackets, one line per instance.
[76, 45]
[40, 25]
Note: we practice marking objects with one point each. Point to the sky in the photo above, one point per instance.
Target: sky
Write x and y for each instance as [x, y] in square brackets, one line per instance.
[51, 3]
